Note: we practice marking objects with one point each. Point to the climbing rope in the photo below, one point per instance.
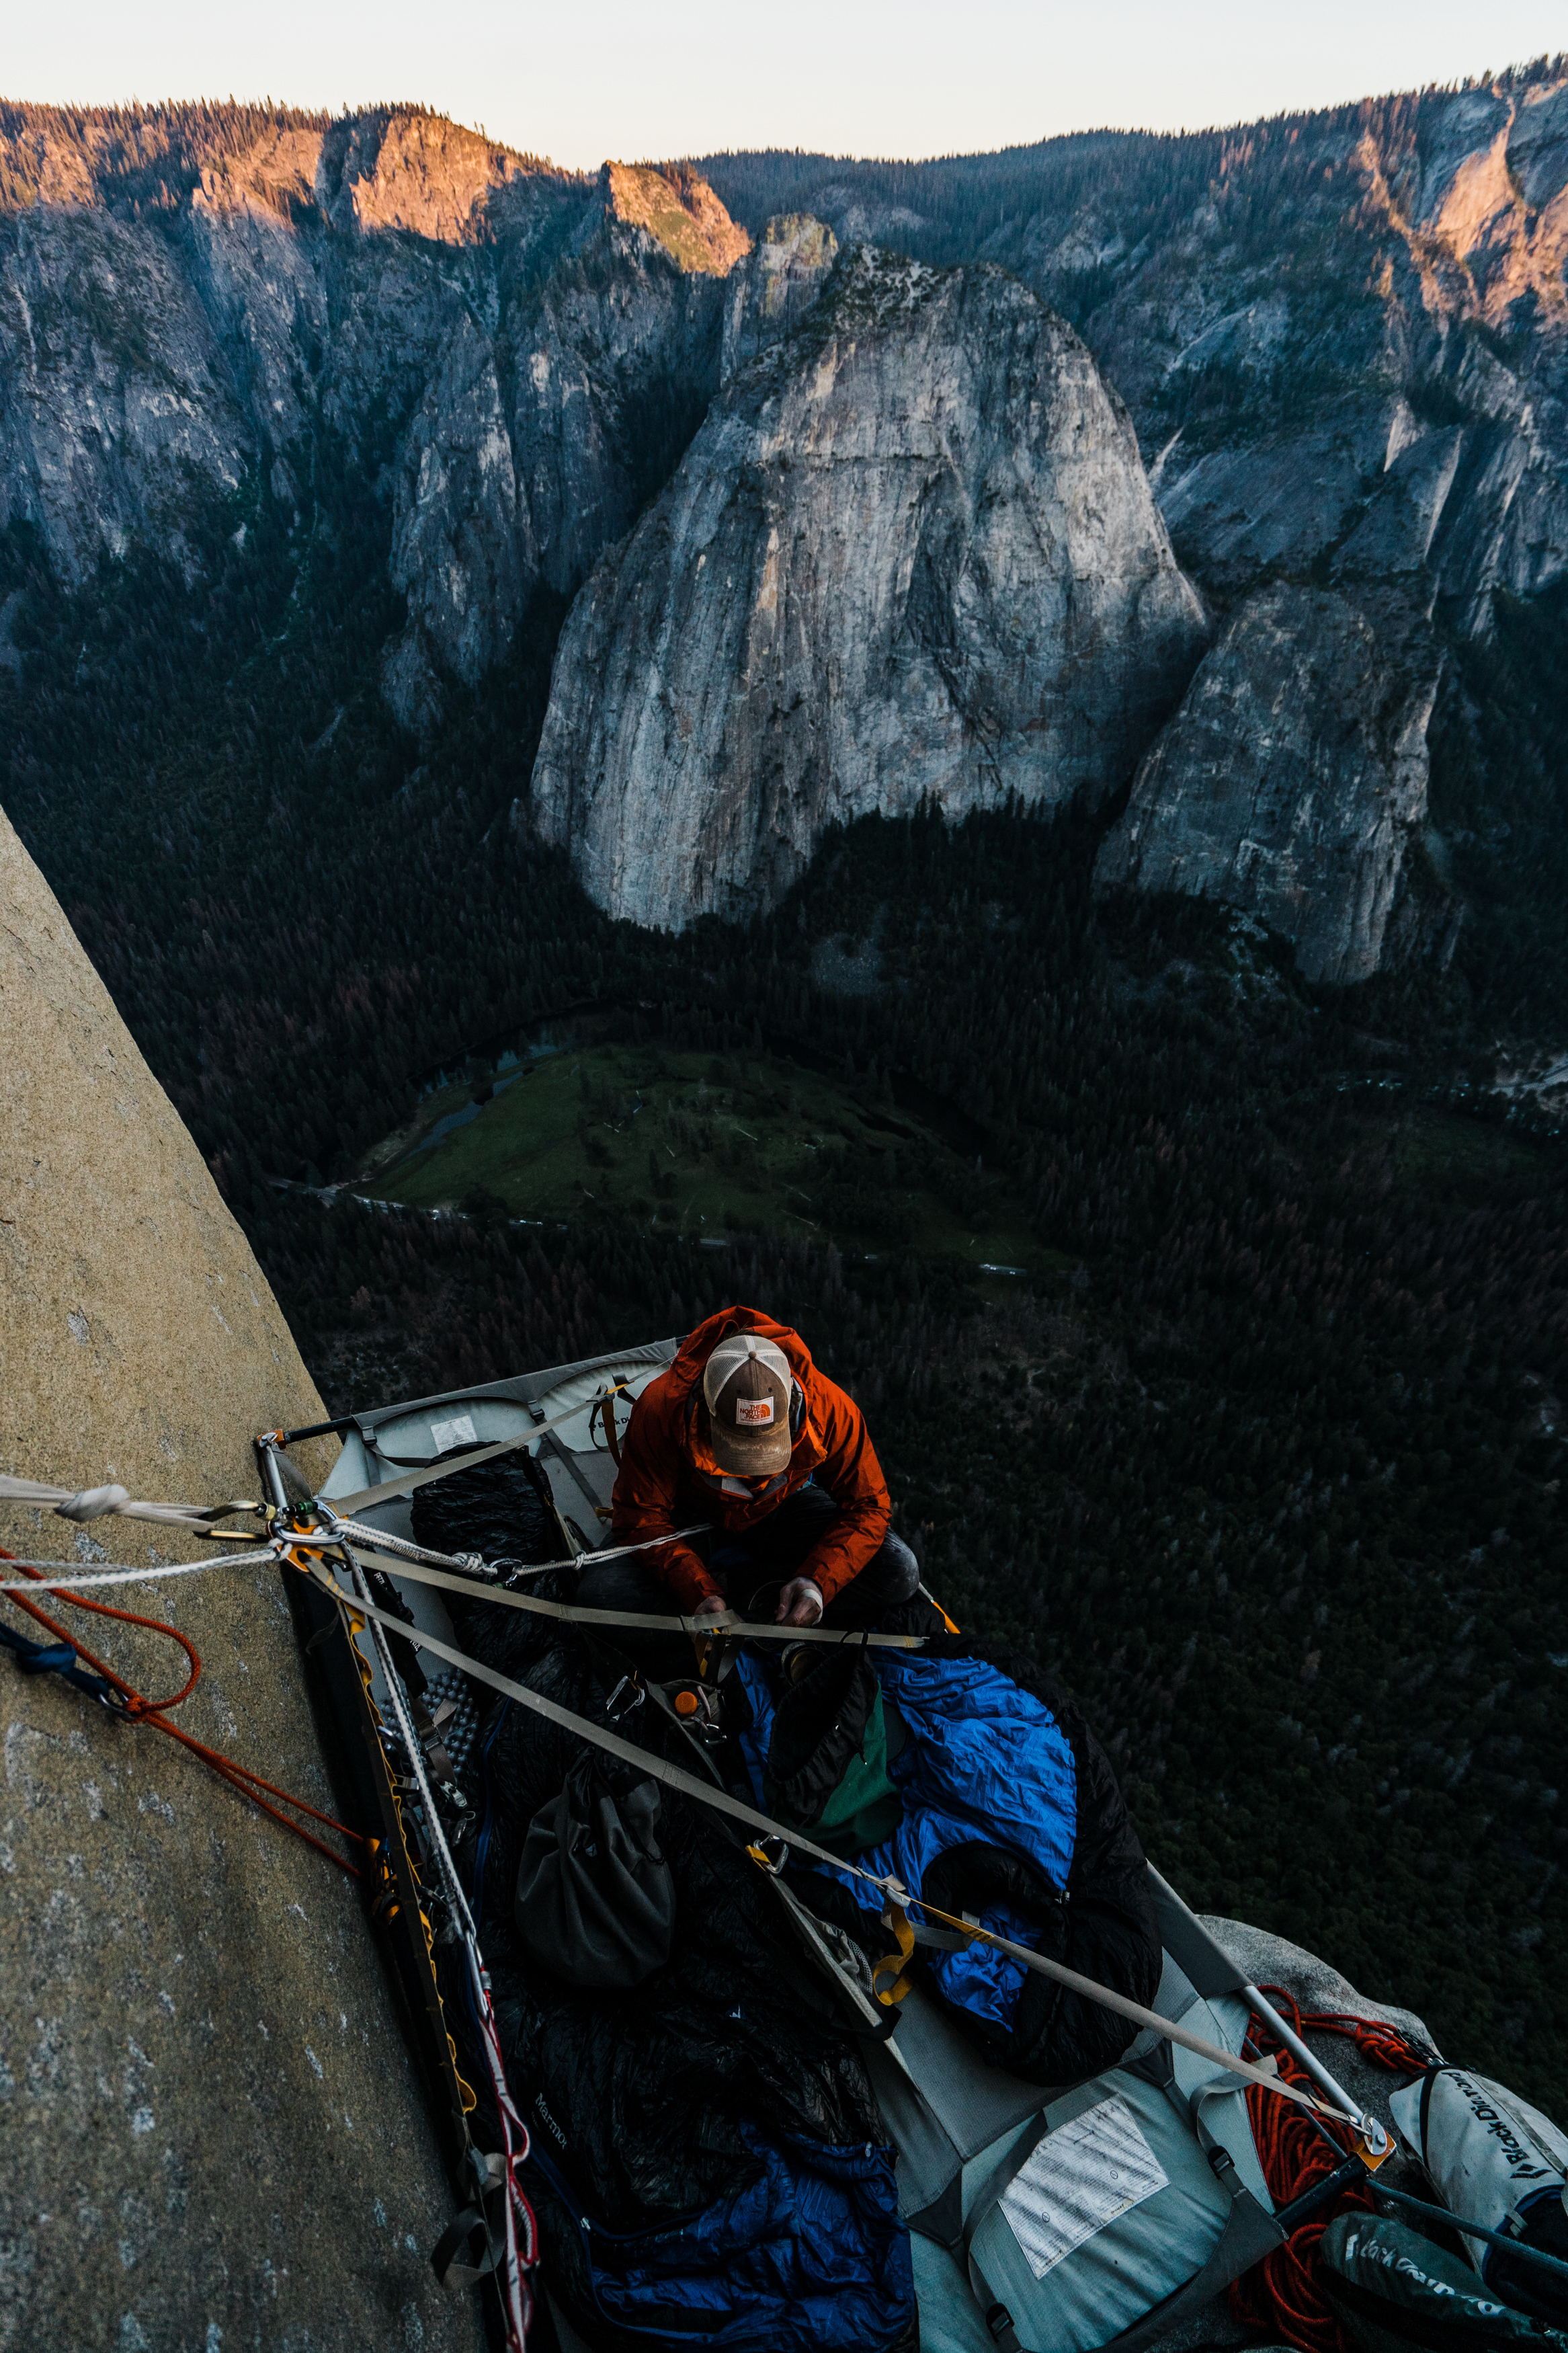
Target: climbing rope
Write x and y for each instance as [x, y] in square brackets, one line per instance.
[138, 1709]
[1298, 2153]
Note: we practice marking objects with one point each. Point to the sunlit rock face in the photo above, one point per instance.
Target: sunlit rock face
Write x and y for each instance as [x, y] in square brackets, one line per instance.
[512, 356]
[911, 555]
[202, 2043]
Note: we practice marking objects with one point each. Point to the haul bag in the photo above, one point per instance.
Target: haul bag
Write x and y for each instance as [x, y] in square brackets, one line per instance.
[1391, 2289]
[595, 1900]
[1494, 2160]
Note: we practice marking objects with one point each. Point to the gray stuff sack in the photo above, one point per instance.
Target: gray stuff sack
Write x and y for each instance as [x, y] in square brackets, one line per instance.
[595, 1901]
[1494, 2160]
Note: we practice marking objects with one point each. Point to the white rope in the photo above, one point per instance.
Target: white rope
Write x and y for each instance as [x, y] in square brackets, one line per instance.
[357, 1532]
[73, 1584]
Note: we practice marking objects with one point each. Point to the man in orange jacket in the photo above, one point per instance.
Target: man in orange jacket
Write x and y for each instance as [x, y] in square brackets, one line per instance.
[744, 1432]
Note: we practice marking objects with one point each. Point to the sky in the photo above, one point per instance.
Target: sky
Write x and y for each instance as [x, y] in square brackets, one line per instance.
[902, 77]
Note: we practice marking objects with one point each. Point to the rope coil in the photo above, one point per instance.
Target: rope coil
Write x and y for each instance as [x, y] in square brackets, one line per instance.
[1297, 2152]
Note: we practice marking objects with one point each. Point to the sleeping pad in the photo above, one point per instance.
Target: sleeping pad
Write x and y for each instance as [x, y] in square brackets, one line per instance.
[708, 2157]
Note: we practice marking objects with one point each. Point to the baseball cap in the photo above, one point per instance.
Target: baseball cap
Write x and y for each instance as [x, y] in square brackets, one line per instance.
[746, 1386]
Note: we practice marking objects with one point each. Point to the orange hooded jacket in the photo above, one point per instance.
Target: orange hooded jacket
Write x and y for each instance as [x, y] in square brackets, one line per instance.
[668, 1478]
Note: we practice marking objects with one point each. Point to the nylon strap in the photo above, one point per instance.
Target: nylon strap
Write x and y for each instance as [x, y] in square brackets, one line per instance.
[725, 1621]
[889, 1889]
[105, 1503]
[365, 1496]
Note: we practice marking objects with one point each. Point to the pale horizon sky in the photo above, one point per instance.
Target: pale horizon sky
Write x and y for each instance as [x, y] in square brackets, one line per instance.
[892, 77]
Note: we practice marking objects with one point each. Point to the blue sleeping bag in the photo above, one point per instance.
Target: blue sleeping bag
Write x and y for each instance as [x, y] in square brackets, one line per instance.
[810, 2258]
[987, 1764]
[1012, 1816]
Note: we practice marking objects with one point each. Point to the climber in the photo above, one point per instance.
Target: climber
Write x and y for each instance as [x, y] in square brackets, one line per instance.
[743, 1432]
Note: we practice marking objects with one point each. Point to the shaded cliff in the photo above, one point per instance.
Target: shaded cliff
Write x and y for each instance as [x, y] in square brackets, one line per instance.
[910, 554]
[213, 2128]
[1293, 782]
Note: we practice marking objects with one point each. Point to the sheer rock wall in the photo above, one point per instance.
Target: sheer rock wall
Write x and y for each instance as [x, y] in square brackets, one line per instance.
[911, 552]
[213, 2130]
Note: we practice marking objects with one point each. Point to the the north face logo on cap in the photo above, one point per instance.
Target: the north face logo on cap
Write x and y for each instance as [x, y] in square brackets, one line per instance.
[753, 1413]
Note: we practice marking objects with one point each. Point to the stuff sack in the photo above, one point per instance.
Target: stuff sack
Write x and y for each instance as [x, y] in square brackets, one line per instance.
[1494, 2160]
[595, 1900]
[1391, 2289]
[827, 1758]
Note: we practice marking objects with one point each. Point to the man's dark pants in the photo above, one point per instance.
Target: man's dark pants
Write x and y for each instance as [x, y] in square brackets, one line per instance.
[748, 1566]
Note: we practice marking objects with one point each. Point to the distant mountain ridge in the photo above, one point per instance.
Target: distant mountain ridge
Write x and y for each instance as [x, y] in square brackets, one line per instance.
[190, 298]
[1343, 340]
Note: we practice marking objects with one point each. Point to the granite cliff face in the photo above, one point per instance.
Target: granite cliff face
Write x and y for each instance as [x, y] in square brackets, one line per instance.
[510, 355]
[1343, 339]
[765, 303]
[1287, 306]
[215, 2131]
[912, 553]
[1293, 782]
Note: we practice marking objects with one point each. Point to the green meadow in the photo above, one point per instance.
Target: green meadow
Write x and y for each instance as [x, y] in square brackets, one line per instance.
[700, 1145]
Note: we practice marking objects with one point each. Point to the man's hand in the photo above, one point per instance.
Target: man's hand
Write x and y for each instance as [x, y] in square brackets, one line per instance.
[800, 1603]
[713, 1605]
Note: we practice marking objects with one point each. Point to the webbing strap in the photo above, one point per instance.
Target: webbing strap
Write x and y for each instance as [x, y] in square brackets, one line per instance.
[889, 1888]
[726, 1622]
[361, 1500]
[103, 1503]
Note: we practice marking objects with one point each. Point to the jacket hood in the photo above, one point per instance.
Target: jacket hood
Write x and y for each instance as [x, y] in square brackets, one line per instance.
[685, 1374]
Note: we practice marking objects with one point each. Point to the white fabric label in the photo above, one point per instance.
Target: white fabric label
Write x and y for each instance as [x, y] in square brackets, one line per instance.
[1081, 2176]
[453, 1434]
[753, 1413]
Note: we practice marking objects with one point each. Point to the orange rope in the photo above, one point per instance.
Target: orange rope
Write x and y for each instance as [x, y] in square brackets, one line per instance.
[1282, 2294]
[155, 1711]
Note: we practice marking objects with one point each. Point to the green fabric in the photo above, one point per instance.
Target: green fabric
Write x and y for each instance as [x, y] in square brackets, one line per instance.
[864, 1809]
